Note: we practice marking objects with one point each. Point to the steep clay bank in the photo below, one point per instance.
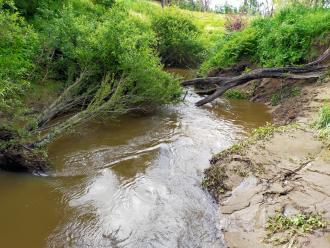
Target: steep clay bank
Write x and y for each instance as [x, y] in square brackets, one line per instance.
[285, 171]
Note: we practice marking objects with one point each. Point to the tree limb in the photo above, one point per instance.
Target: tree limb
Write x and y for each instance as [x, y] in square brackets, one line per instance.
[311, 70]
[64, 102]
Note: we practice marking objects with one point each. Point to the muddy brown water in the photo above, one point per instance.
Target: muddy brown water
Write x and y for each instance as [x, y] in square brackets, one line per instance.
[134, 182]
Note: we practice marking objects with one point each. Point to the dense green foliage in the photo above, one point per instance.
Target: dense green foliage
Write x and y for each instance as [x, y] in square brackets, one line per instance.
[178, 40]
[110, 42]
[74, 39]
[19, 44]
[285, 39]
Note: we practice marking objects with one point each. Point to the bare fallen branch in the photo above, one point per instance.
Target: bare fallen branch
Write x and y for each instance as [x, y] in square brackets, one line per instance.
[312, 70]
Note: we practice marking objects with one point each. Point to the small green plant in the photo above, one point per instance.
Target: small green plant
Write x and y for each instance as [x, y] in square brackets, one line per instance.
[269, 130]
[324, 117]
[275, 99]
[295, 91]
[214, 180]
[293, 226]
[265, 131]
[236, 148]
[235, 94]
[323, 123]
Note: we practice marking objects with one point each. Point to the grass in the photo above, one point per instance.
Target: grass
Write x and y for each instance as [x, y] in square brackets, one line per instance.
[212, 25]
[324, 117]
[323, 123]
[291, 227]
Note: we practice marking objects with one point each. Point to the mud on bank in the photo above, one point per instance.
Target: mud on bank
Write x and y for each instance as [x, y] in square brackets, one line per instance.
[279, 171]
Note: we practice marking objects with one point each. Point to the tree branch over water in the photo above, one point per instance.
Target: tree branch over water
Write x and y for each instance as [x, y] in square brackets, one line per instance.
[314, 69]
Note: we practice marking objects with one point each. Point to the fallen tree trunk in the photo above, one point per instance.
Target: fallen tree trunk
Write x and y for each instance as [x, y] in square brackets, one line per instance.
[98, 104]
[311, 70]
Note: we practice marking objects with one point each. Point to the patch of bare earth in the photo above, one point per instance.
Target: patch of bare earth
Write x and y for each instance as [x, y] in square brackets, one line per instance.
[288, 173]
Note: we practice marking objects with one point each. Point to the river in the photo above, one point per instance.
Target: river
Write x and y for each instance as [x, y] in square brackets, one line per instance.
[131, 182]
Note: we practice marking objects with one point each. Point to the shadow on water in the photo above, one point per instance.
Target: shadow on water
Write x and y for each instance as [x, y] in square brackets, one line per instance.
[134, 182]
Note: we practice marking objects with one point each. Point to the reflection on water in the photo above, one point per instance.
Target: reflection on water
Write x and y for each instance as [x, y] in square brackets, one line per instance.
[134, 182]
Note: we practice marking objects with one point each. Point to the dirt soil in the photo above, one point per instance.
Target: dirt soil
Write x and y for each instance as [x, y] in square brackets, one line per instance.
[288, 173]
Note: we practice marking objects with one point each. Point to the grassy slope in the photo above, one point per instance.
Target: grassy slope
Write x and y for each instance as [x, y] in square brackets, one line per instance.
[210, 24]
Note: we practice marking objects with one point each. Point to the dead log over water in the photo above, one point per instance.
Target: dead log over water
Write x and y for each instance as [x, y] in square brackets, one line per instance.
[311, 70]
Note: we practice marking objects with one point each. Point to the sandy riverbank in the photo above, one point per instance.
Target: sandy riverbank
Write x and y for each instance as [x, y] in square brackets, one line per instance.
[282, 171]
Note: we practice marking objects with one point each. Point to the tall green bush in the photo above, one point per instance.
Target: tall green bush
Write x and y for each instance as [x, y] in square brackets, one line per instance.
[19, 44]
[86, 36]
[110, 48]
[178, 40]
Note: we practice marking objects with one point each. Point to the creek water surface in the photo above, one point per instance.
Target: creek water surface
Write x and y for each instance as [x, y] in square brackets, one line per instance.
[133, 182]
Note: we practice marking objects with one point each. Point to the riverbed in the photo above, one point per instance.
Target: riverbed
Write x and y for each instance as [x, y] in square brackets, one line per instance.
[129, 182]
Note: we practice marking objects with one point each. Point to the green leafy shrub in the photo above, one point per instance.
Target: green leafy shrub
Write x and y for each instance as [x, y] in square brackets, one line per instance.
[178, 39]
[125, 43]
[111, 50]
[281, 40]
[19, 44]
[27, 8]
[88, 37]
[234, 47]
[215, 180]
[286, 39]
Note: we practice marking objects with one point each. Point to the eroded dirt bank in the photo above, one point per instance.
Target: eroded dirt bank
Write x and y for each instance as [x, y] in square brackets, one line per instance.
[282, 171]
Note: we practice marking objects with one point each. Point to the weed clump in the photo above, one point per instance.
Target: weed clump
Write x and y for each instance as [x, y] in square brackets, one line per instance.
[323, 123]
[214, 180]
[324, 117]
[268, 131]
[235, 94]
[292, 227]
